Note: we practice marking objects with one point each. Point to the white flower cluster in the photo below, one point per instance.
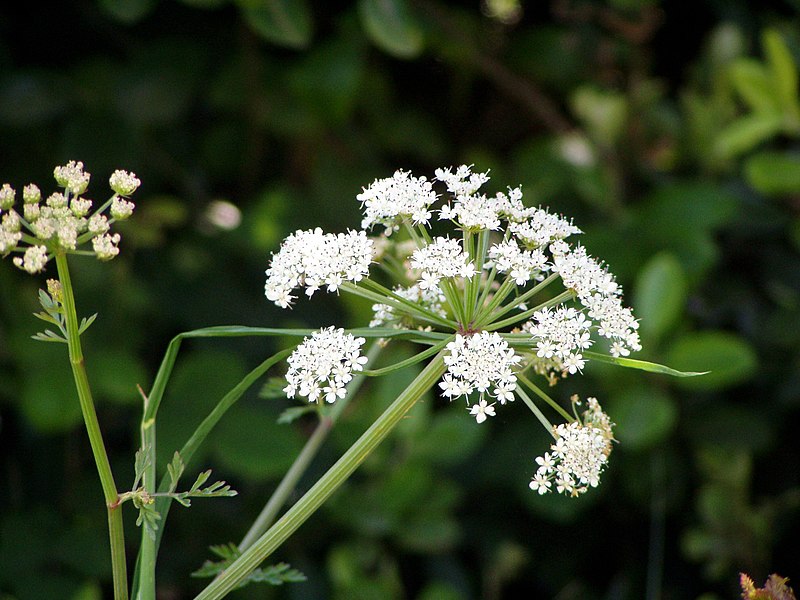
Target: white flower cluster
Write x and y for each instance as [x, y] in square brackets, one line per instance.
[313, 259]
[62, 222]
[561, 334]
[599, 292]
[578, 456]
[322, 365]
[387, 201]
[540, 228]
[441, 258]
[522, 265]
[384, 315]
[480, 362]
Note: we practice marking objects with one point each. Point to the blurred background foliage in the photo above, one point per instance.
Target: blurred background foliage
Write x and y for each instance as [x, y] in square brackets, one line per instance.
[669, 130]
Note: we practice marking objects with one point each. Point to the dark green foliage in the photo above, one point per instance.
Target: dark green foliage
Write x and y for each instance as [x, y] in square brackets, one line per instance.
[669, 131]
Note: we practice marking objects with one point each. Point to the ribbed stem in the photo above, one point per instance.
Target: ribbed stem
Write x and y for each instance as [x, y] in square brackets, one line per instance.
[115, 527]
[326, 485]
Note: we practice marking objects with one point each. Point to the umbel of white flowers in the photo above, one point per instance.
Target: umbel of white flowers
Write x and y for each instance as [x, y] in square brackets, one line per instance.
[474, 285]
[64, 221]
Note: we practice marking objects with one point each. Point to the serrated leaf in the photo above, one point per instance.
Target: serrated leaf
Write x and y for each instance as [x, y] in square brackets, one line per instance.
[282, 22]
[175, 470]
[86, 322]
[277, 574]
[141, 462]
[390, 25]
[49, 336]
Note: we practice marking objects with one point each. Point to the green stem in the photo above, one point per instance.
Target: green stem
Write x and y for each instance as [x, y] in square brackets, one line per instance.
[326, 485]
[562, 297]
[303, 460]
[115, 527]
[535, 409]
[539, 392]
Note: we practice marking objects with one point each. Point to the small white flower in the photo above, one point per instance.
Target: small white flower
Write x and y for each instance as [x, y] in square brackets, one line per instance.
[540, 483]
[482, 410]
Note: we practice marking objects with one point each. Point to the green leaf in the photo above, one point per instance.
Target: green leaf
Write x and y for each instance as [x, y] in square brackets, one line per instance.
[282, 22]
[784, 71]
[754, 84]
[774, 173]
[747, 132]
[726, 357]
[660, 295]
[391, 27]
[642, 365]
[274, 574]
[644, 416]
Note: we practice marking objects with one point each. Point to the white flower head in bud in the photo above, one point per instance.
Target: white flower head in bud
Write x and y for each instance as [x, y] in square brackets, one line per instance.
[34, 259]
[56, 200]
[123, 182]
[7, 195]
[72, 177]
[322, 365]
[80, 207]
[97, 224]
[389, 201]
[8, 240]
[480, 362]
[578, 456]
[106, 246]
[31, 194]
[120, 209]
[314, 259]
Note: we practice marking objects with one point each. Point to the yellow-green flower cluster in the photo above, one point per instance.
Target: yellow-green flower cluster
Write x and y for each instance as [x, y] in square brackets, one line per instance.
[64, 221]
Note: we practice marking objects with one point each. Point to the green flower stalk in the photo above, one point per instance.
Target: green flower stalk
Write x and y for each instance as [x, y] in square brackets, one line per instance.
[53, 229]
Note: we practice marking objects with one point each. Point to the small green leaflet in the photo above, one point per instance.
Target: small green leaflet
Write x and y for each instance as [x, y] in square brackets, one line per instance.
[274, 574]
[642, 365]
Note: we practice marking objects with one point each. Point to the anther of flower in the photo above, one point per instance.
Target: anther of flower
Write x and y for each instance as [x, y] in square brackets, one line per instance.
[498, 288]
[64, 222]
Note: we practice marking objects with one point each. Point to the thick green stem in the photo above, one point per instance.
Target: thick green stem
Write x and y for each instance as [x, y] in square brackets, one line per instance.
[115, 528]
[267, 515]
[326, 485]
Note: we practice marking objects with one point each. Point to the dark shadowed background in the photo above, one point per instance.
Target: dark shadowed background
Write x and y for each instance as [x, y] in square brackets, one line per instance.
[668, 130]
